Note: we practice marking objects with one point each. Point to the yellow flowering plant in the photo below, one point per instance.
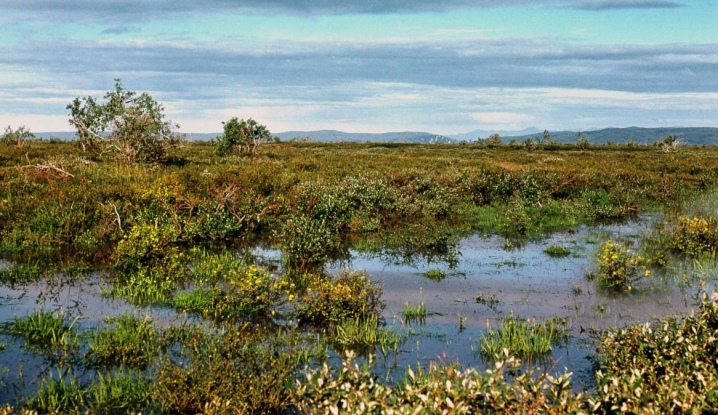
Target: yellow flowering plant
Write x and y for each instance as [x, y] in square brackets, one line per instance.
[617, 268]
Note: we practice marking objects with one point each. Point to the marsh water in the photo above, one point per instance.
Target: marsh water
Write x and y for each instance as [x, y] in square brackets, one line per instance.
[523, 281]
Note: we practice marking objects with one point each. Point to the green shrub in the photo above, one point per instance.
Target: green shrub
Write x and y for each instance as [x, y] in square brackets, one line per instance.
[331, 300]
[695, 236]
[617, 268]
[133, 342]
[131, 126]
[242, 137]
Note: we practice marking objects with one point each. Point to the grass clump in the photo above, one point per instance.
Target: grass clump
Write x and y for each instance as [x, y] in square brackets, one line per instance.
[435, 274]
[414, 313]
[365, 335]
[22, 273]
[524, 338]
[45, 331]
[557, 251]
[132, 341]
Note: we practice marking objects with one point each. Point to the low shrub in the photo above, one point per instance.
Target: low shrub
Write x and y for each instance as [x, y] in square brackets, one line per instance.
[331, 300]
[695, 236]
[617, 267]
[132, 342]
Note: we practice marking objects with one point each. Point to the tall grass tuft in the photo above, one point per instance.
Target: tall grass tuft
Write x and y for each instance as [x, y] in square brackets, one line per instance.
[523, 338]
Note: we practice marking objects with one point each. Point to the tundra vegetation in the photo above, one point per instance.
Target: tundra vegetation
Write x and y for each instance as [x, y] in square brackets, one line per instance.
[165, 227]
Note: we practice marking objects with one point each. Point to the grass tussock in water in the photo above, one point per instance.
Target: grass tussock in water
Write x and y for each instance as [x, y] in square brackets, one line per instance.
[527, 339]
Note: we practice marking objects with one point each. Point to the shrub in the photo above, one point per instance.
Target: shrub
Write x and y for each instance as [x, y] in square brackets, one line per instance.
[132, 342]
[668, 366]
[242, 137]
[695, 236]
[245, 292]
[330, 300]
[617, 267]
[131, 126]
[16, 138]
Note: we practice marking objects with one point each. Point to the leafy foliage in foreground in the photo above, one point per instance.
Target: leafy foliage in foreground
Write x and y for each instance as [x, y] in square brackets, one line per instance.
[654, 368]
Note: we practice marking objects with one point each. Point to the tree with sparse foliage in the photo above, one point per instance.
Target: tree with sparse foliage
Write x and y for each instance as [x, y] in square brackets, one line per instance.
[493, 140]
[242, 137]
[668, 143]
[546, 137]
[18, 137]
[130, 125]
[581, 141]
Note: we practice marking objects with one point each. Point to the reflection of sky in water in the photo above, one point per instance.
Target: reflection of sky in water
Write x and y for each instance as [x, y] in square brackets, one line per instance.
[525, 281]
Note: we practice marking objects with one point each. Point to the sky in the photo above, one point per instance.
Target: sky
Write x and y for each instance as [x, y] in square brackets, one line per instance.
[444, 67]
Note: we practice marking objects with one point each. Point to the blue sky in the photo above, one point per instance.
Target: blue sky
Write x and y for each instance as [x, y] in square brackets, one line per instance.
[368, 66]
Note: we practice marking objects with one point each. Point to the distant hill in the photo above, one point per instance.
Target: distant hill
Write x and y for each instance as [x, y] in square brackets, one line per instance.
[333, 136]
[473, 135]
[687, 135]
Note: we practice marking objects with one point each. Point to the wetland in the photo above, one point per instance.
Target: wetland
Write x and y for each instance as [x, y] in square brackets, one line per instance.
[315, 278]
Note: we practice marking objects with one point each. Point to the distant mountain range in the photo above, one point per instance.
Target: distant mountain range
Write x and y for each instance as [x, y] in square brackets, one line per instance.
[333, 136]
[687, 135]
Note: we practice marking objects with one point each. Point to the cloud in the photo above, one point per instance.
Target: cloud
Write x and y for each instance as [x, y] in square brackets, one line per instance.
[120, 30]
[133, 11]
[626, 4]
[203, 68]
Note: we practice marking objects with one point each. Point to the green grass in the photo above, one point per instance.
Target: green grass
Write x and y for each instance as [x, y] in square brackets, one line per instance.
[46, 332]
[365, 335]
[435, 274]
[414, 313]
[557, 251]
[523, 338]
[130, 341]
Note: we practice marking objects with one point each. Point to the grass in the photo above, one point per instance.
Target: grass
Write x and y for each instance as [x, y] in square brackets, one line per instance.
[435, 274]
[46, 332]
[365, 336]
[523, 338]
[557, 251]
[150, 226]
[131, 341]
[414, 313]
